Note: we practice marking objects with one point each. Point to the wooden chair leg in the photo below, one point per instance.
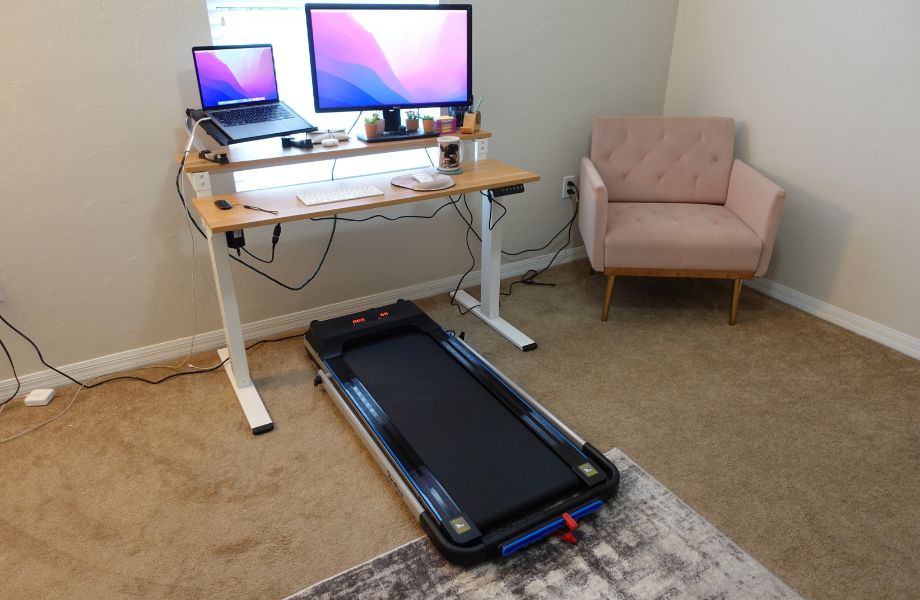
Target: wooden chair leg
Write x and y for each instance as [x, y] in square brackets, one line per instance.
[736, 295]
[608, 294]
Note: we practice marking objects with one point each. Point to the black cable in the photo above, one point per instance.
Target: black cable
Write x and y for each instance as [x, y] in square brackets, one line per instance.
[242, 262]
[276, 235]
[529, 278]
[128, 377]
[360, 112]
[335, 160]
[261, 260]
[182, 196]
[488, 194]
[335, 221]
[183, 373]
[12, 366]
[466, 236]
[385, 217]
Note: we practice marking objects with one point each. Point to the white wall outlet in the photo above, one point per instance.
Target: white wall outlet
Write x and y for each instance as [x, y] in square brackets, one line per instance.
[566, 194]
[201, 182]
[482, 146]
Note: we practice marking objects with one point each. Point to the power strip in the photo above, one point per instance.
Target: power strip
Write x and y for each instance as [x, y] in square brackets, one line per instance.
[517, 188]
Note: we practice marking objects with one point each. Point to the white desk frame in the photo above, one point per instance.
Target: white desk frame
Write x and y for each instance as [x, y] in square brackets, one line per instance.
[237, 367]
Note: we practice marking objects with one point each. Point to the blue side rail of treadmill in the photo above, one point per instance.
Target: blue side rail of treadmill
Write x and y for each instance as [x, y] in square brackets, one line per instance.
[549, 529]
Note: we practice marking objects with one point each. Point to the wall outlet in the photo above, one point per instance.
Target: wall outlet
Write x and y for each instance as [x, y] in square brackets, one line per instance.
[201, 182]
[482, 146]
[566, 194]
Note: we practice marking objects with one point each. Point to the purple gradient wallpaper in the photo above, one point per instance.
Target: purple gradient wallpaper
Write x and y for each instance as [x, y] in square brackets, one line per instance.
[389, 57]
[233, 75]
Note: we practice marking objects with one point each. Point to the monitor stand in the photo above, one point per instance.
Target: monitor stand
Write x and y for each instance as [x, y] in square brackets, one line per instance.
[393, 131]
[396, 136]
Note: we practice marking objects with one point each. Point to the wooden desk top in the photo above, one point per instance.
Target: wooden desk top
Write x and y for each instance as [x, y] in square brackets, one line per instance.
[269, 153]
[477, 175]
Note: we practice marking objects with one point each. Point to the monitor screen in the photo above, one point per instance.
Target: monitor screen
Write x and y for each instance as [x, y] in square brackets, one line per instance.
[229, 75]
[370, 57]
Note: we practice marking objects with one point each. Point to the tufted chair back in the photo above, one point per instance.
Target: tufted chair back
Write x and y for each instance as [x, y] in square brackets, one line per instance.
[664, 159]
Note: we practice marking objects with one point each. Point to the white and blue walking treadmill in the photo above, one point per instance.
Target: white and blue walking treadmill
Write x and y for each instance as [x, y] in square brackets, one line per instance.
[484, 467]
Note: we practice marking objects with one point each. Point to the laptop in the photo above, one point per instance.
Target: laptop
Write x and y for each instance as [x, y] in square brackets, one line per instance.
[239, 91]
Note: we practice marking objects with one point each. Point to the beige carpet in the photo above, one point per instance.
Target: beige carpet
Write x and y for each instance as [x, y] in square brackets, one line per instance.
[799, 440]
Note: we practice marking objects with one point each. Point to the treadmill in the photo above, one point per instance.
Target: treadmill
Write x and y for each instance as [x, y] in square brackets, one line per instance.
[485, 469]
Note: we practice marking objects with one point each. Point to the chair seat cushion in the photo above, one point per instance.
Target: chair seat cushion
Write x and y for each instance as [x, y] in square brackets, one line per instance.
[644, 235]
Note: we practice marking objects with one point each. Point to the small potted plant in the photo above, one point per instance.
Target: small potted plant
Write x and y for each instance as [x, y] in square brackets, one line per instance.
[370, 125]
[428, 123]
[411, 121]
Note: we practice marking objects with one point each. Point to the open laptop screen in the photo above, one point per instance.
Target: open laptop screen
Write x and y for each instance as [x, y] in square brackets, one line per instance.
[229, 76]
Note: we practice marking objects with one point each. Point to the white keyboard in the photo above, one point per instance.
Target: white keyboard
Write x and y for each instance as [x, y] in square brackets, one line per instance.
[338, 194]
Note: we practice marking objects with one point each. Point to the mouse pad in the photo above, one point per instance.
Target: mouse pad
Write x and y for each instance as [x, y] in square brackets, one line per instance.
[438, 182]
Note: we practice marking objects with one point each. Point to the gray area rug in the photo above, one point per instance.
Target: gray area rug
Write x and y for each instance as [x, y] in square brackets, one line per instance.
[645, 544]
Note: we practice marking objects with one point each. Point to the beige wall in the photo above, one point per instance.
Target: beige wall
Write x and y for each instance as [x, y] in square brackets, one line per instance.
[94, 253]
[826, 96]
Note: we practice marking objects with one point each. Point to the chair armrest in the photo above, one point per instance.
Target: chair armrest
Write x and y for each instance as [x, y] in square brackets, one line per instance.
[592, 213]
[758, 202]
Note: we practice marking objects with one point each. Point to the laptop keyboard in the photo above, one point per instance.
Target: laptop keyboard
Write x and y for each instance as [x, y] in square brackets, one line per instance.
[253, 114]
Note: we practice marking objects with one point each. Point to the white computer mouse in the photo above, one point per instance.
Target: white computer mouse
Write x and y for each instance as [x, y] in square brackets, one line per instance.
[330, 142]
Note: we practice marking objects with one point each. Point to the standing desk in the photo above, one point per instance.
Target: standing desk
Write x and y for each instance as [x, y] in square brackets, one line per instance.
[214, 181]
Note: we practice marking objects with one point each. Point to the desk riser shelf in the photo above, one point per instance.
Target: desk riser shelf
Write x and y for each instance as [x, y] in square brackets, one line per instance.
[269, 153]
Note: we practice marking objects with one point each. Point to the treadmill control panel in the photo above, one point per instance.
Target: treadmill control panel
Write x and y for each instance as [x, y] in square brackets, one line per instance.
[328, 337]
[364, 318]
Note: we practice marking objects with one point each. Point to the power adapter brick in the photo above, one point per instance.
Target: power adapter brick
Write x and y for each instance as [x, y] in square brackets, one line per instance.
[40, 397]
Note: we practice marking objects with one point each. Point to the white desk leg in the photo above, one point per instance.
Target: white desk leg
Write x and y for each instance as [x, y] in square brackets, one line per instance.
[238, 366]
[490, 287]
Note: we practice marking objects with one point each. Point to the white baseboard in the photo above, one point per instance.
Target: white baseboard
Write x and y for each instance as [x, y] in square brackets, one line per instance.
[869, 329]
[166, 351]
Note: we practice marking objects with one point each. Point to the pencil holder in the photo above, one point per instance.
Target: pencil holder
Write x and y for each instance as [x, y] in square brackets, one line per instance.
[472, 122]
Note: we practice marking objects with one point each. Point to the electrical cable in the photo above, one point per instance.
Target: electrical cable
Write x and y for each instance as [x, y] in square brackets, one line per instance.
[361, 112]
[335, 160]
[529, 278]
[123, 377]
[322, 260]
[261, 260]
[276, 236]
[242, 262]
[466, 236]
[42, 424]
[188, 223]
[385, 217]
[488, 194]
[15, 376]
[88, 386]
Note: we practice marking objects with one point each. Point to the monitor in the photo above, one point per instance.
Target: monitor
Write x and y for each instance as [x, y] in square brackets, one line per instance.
[387, 57]
[235, 75]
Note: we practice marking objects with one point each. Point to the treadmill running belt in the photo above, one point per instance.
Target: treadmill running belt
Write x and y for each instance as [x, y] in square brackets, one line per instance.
[491, 466]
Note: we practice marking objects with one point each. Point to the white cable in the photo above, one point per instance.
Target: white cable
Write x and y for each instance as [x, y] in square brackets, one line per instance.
[191, 137]
[191, 234]
[57, 416]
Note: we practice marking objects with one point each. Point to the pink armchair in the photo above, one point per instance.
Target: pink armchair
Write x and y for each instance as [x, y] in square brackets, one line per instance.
[663, 197]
